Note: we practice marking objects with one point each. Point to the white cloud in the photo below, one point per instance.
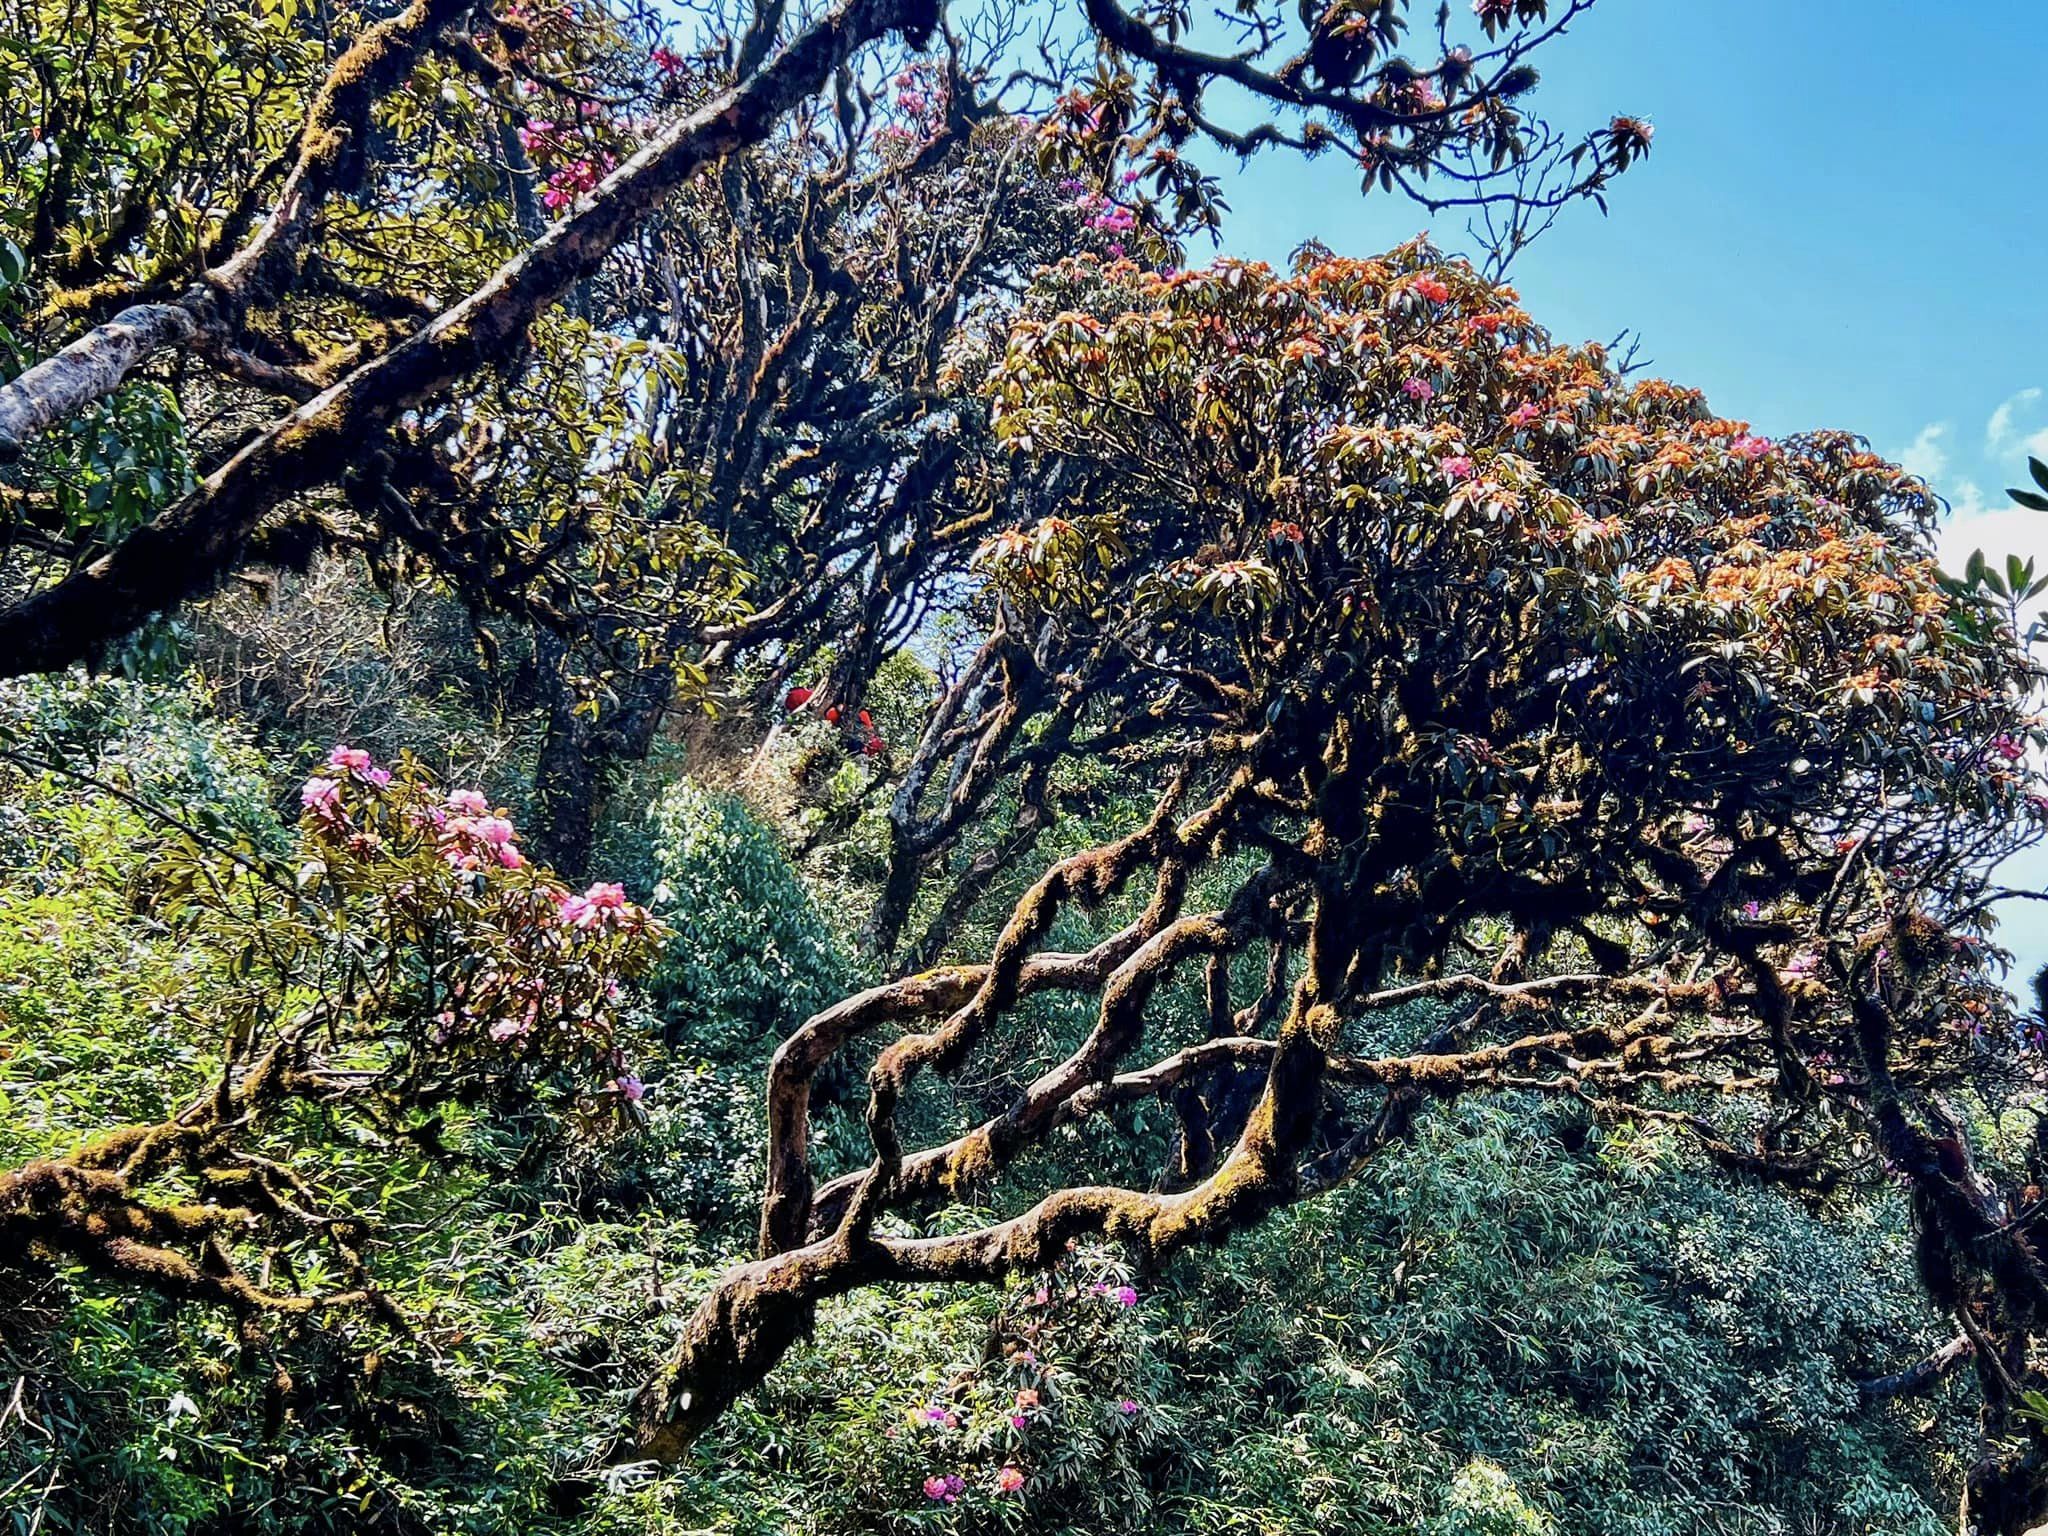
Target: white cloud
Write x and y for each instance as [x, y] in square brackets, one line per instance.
[1997, 529]
[2037, 445]
[1925, 456]
[1999, 429]
[1968, 501]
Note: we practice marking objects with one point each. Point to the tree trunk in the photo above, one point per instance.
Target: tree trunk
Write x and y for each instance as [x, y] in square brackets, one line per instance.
[578, 753]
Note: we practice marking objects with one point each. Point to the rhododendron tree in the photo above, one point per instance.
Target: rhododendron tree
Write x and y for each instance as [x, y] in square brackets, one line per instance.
[389, 207]
[1652, 759]
[408, 961]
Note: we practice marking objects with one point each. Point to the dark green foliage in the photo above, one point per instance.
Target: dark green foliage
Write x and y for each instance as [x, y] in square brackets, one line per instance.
[751, 958]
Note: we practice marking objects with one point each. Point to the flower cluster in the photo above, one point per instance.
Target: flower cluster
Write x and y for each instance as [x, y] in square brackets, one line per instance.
[1069, 1343]
[321, 795]
[866, 740]
[1628, 139]
[921, 96]
[570, 181]
[502, 964]
[603, 904]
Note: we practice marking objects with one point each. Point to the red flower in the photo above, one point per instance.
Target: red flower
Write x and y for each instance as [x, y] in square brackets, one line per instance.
[1432, 289]
[832, 715]
[864, 720]
[874, 746]
[796, 698]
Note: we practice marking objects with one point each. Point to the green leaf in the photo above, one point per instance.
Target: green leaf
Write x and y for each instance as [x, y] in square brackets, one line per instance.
[2031, 500]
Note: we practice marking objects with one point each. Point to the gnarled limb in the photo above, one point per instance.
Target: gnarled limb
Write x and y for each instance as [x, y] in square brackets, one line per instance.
[331, 158]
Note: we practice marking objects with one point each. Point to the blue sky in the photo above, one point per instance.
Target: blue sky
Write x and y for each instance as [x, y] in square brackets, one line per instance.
[1843, 223]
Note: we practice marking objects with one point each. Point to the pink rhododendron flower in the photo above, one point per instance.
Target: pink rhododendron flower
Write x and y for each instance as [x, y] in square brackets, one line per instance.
[321, 796]
[470, 802]
[629, 1088]
[511, 858]
[1457, 467]
[1524, 414]
[1127, 1407]
[508, 1029]
[1018, 1421]
[2009, 747]
[593, 908]
[574, 179]
[1634, 133]
[1432, 289]
[943, 1490]
[1009, 1480]
[495, 830]
[1125, 1296]
[1028, 1398]
[1418, 389]
[1748, 447]
[352, 758]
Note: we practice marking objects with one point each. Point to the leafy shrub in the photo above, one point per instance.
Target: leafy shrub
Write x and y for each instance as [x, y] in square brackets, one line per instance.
[750, 958]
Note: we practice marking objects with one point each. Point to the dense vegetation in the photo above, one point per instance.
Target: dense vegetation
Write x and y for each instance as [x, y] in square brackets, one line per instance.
[725, 806]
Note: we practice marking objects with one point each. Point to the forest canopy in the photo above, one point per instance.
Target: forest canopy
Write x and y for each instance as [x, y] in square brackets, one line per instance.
[732, 799]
